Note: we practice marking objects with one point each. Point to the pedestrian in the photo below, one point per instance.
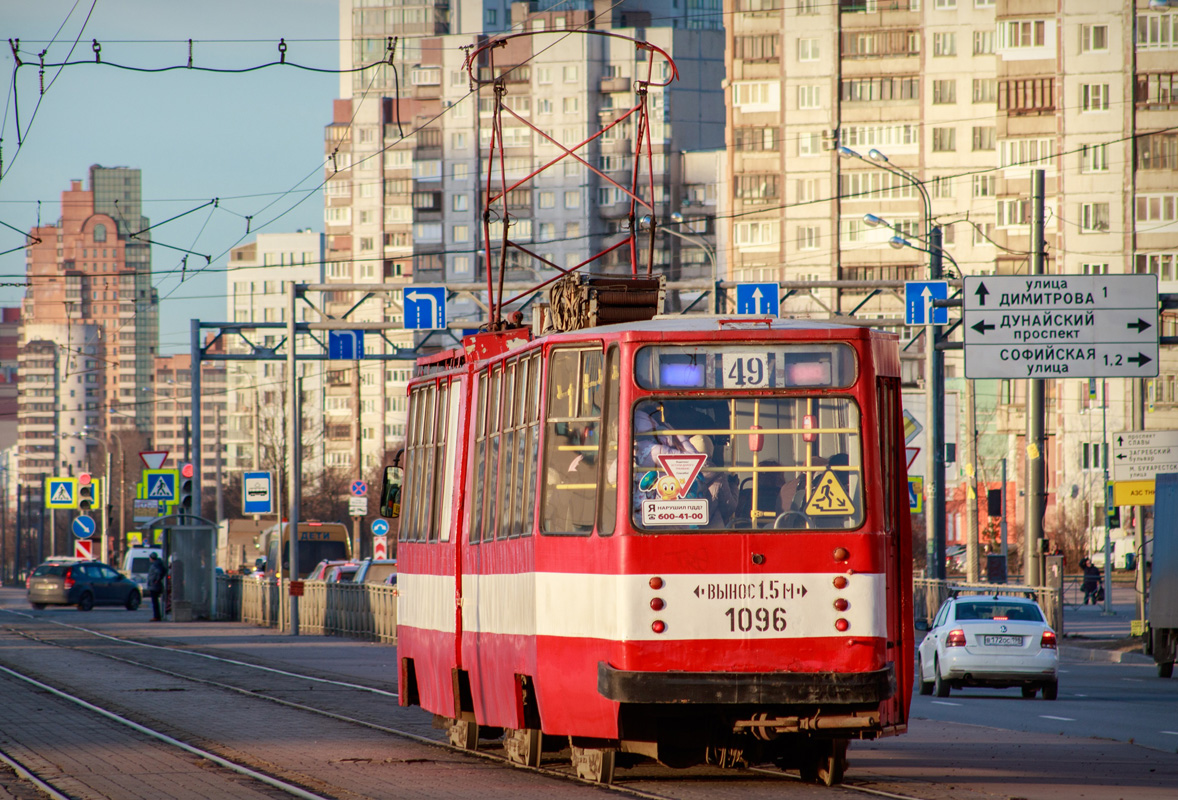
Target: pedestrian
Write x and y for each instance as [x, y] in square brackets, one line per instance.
[155, 584]
[1091, 582]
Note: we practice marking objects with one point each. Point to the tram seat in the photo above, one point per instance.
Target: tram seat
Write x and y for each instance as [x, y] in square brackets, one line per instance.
[767, 497]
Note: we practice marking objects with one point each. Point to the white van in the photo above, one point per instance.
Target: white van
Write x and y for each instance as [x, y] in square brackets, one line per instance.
[136, 563]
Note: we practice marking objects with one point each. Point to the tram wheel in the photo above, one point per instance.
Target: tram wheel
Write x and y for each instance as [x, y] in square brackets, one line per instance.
[523, 746]
[832, 763]
[464, 734]
[593, 764]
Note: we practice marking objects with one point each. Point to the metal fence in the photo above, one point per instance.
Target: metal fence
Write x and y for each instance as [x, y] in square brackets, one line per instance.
[360, 610]
[928, 595]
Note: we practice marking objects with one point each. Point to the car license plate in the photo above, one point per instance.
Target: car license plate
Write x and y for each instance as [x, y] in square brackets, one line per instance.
[1003, 641]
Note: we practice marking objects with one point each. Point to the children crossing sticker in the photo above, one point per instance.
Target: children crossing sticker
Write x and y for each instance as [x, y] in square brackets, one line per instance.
[829, 498]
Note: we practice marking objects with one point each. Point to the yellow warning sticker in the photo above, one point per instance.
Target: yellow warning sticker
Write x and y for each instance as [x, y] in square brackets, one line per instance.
[829, 498]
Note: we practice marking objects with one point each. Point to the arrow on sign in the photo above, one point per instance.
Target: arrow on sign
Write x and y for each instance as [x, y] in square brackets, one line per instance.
[433, 303]
[981, 292]
[757, 300]
[1140, 325]
[982, 327]
[1141, 359]
[1120, 441]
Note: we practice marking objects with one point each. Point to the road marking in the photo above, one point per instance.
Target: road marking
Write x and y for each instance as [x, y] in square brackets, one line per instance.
[1079, 695]
[944, 703]
[1133, 680]
[1061, 719]
[1171, 733]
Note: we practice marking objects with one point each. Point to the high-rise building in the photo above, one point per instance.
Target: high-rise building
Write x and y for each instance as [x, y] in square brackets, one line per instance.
[407, 157]
[968, 96]
[89, 327]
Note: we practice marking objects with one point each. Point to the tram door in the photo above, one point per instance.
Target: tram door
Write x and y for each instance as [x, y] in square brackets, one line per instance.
[897, 535]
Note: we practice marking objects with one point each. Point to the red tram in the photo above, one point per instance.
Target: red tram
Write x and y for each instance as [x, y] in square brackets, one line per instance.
[685, 539]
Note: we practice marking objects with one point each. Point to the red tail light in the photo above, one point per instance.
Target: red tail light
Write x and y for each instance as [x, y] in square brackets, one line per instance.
[1047, 641]
[955, 638]
[69, 578]
[28, 581]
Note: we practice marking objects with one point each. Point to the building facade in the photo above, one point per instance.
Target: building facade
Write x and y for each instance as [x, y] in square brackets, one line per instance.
[968, 97]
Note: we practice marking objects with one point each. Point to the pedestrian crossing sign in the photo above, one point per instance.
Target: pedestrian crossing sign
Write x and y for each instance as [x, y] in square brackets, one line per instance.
[160, 484]
[61, 493]
[829, 498]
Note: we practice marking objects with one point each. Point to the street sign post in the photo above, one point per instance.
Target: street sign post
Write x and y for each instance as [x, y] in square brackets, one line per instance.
[919, 295]
[1138, 458]
[61, 493]
[345, 345]
[257, 493]
[1060, 326]
[758, 298]
[425, 308]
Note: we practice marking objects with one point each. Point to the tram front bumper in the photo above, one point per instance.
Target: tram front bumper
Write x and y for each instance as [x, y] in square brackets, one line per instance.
[746, 688]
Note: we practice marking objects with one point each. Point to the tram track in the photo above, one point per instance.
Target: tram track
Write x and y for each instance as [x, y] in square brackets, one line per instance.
[623, 786]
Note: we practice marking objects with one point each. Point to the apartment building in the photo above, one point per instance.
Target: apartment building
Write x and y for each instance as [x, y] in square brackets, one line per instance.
[967, 96]
[89, 327]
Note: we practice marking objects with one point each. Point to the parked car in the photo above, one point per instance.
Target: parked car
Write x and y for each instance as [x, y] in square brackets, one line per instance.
[322, 568]
[83, 583]
[955, 557]
[994, 641]
[136, 562]
[375, 570]
[341, 573]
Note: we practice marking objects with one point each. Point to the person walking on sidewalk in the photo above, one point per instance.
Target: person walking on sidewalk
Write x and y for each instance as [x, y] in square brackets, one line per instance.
[155, 584]
[1091, 582]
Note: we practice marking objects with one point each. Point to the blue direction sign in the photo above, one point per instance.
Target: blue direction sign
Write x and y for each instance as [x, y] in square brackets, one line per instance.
[84, 526]
[258, 497]
[425, 308]
[758, 298]
[347, 345]
[918, 295]
[380, 527]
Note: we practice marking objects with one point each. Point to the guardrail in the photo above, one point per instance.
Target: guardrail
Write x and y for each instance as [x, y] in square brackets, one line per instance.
[360, 610]
[928, 595]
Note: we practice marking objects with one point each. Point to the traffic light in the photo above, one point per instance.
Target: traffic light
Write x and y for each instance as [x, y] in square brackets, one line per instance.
[185, 494]
[86, 498]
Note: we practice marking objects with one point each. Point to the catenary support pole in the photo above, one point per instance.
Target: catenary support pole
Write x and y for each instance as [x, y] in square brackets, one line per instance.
[1036, 414]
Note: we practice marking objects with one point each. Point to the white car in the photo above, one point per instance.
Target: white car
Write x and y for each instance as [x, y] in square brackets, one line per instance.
[989, 640]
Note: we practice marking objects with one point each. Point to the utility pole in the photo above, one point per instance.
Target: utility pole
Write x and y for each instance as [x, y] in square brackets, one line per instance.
[220, 489]
[971, 497]
[935, 394]
[1036, 413]
[357, 453]
[293, 436]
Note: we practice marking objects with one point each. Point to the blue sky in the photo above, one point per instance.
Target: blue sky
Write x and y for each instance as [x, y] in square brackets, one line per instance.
[247, 139]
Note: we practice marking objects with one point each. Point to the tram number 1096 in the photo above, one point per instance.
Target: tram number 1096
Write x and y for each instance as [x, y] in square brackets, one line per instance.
[760, 619]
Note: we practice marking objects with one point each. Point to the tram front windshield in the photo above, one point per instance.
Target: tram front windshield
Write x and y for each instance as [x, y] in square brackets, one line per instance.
[738, 463]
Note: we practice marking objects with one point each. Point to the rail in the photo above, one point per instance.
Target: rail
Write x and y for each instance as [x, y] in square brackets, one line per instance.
[358, 610]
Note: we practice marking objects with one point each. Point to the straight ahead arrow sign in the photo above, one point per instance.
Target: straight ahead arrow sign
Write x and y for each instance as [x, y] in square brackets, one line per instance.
[981, 292]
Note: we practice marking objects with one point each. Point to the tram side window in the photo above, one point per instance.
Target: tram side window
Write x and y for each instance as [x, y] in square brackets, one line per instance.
[480, 459]
[527, 440]
[575, 394]
[419, 518]
[608, 513]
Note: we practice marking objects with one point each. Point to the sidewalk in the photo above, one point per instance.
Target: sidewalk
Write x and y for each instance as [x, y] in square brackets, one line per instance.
[1090, 634]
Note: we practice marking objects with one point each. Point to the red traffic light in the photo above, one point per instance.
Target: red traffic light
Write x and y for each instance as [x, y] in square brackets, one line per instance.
[84, 479]
[186, 470]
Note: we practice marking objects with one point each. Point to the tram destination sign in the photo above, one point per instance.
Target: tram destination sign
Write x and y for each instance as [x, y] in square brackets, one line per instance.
[1060, 326]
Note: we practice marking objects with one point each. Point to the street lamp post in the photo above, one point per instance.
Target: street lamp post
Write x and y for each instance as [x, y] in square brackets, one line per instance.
[935, 372]
[647, 223]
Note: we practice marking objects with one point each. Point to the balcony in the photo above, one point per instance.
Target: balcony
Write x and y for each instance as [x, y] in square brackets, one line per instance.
[615, 85]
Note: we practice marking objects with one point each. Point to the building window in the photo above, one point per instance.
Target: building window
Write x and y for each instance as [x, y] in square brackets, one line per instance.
[807, 189]
[572, 198]
[100, 232]
[755, 233]
[1157, 31]
[1093, 38]
[1156, 208]
[1094, 97]
[1158, 151]
[1022, 33]
[459, 202]
[809, 237]
[1157, 89]
[857, 90]
[983, 43]
[1013, 212]
[751, 96]
[809, 144]
[1094, 455]
[880, 43]
[808, 49]
[763, 47]
[1164, 265]
[982, 233]
[1094, 217]
[461, 233]
[1094, 158]
[985, 90]
[1025, 152]
[1094, 269]
[944, 92]
[943, 187]
[984, 137]
[570, 73]
[808, 97]
[944, 140]
[984, 185]
[756, 139]
[944, 44]
[757, 188]
[426, 76]
[1026, 96]
[944, 5]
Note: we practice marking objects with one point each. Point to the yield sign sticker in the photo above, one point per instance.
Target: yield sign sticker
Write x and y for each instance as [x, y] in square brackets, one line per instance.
[683, 467]
[912, 453]
[154, 459]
